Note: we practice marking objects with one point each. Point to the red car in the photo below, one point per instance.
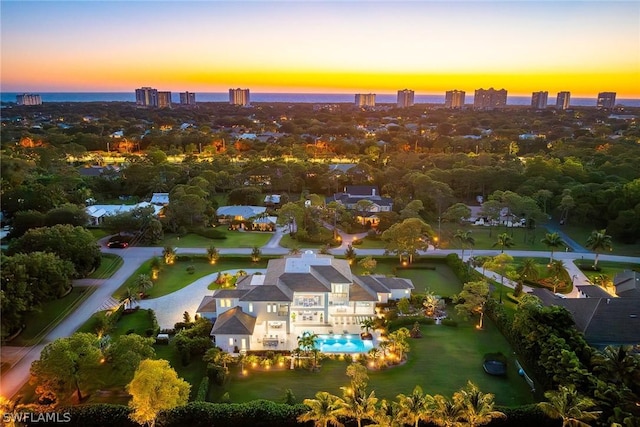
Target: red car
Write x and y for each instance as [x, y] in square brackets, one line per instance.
[118, 244]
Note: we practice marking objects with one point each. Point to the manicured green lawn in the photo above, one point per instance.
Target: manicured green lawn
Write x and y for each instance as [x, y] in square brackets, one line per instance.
[486, 237]
[45, 318]
[288, 242]
[175, 277]
[109, 264]
[235, 239]
[441, 362]
[608, 269]
[581, 233]
[99, 233]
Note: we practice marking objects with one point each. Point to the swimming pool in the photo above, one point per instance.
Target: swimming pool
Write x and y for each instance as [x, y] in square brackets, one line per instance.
[343, 344]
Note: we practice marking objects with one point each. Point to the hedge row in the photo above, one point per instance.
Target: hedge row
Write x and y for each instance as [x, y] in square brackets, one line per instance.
[258, 413]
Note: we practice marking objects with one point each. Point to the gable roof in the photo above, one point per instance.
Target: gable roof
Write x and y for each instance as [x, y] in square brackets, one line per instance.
[234, 322]
[357, 292]
[593, 291]
[302, 282]
[265, 293]
[208, 305]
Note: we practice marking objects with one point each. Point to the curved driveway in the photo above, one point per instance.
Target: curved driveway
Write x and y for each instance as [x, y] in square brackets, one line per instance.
[133, 257]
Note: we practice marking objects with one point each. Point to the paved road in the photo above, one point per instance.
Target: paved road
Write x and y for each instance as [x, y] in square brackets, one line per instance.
[133, 257]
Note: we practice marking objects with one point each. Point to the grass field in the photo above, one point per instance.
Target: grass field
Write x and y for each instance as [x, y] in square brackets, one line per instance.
[174, 277]
[608, 269]
[39, 322]
[235, 239]
[441, 362]
[109, 264]
[581, 233]
[486, 237]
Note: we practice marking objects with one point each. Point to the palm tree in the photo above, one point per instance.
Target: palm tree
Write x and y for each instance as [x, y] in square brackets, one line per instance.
[567, 404]
[255, 254]
[399, 341]
[477, 407]
[169, 255]
[306, 343]
[504, 241]
[143, 283]
[130, 297]
[529, 270]
[414, 407]
[367, 324]
[553, 241]
[213, 254]
[357, 405]
[387, 415]
[295, 250]
[616, 364]
[598, 241]
[557, 272]
[465, 238]
[322, 410]
[444, 412]
[350, 253]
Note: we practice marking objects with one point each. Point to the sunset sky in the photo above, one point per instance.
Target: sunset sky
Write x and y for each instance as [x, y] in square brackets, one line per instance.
[319, 46]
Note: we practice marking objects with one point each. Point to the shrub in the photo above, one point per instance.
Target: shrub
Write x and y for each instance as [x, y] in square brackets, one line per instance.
[191, 269]
[449, 322]
[201, 395]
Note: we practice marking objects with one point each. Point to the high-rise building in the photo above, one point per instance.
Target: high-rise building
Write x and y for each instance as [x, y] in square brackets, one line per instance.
[405, 98]
[606, 100]
[147, 97]
[488, 99]
[28, 99]
[454, 99]
[539, 100]
[365, 100]
[164, 99]
[563, 100]
[187, 98]
[239, 97]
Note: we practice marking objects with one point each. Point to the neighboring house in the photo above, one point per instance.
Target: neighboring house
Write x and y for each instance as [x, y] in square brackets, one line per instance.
[603, 321]
[272, 200]
[627, 284]
[308, 292]
[92, 171]
[256, 214]
[355, 193]
[264, 223]
[161, 199]
[97, 213]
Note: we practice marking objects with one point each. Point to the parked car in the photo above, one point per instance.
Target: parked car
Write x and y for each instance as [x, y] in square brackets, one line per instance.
[118, 244]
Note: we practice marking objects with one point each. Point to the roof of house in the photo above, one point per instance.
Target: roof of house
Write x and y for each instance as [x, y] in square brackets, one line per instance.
[627, 284]
[372, 283]
[593, 291]
[208, 305]
[362, 190]
[234, 322]
[358, 292]
[603, 321]
[97, 211]
[241, 210]
[265, 293]
[395, 282]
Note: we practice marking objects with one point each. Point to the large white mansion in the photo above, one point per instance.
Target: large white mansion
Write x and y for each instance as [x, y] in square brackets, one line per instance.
[308, 292]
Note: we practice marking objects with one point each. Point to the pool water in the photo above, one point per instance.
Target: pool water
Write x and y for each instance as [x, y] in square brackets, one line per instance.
[343, 344]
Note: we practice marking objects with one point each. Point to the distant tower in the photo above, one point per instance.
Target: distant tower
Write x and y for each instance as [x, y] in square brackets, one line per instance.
[405, 98]
[187, 98]
[365, 100]
[606, 100]
[539, 100]
[488, 99]
[147, 97]
[28, 99]
[239, 97]
[454, 99]
[563, 100]
[164, 99]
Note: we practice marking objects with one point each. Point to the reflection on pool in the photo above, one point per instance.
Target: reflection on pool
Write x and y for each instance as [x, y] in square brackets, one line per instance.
[343, 344]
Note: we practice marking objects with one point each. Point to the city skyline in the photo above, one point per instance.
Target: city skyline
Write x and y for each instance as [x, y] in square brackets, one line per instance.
[321, 47]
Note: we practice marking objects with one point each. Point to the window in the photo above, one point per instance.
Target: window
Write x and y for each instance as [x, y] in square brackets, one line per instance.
[230, 341]
[272, 308]
[250, 307]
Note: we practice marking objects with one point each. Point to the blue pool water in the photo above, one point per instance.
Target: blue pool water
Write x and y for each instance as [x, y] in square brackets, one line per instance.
[343, 344]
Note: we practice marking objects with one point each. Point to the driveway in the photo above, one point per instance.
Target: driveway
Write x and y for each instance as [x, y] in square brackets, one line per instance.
[170, 308]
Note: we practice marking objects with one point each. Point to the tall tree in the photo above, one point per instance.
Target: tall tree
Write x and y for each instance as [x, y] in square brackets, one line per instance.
[414, 407]
[529, 270]
[477, 407]
[466, 239]
[323, 410]
[504, 241]
[571, 407]
[350, 253]
[155, 387]
[127, 351]
[553, 241]
[213, 254]
[471, 300]
[407, 238]
[599, 241]
[445, 412]
[67, 364]
[143, 283]
[501, 264]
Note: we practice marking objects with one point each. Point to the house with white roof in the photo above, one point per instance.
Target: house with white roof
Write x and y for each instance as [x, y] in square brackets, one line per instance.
[97, 213]
[297, 294]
